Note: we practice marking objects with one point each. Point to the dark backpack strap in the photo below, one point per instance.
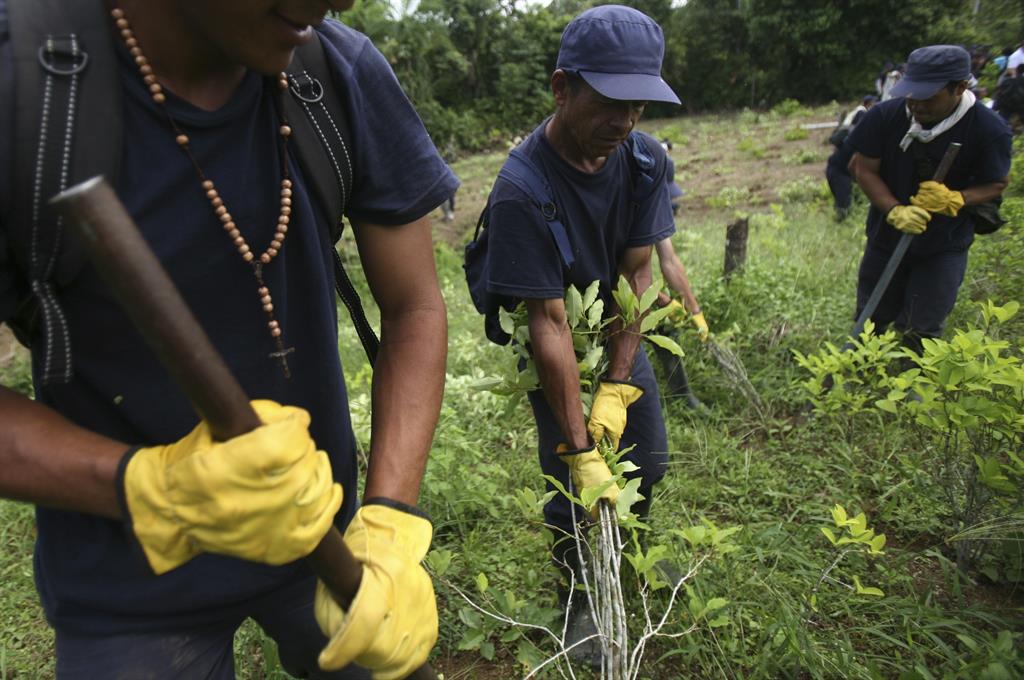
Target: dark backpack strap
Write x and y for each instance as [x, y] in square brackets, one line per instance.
[67, 129]
[643, 163]
[521, 172]
[321, 144]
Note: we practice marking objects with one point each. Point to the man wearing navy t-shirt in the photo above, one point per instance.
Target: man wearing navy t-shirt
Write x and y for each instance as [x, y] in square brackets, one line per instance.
[155, 544]
[898, 145]
[608, 68]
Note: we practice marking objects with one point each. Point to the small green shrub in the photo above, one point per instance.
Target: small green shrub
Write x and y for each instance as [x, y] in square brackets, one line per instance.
[729, 197]
[795, 134]
[788, 107]
[751, 146]
[801, 157]
[805, 190]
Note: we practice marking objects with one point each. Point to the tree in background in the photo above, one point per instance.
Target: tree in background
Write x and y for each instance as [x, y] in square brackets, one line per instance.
[478, 70]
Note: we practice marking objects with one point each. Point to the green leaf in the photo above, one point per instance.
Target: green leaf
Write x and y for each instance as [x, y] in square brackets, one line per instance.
[866, 590]
[592, 359]
[839, 515]
[695, 535]
[626, 300]
[877, 543]
[505, 320]
[471, 639]
[648, 298]
[719, 621]
[487, 650]
[573, 306]
[654, 318]
[595, 313]
[665, 343]
[629, 495]
[439, 560]
[591, 293]
[486, 384]
[481, 583]
[716, 603]
[829, 535]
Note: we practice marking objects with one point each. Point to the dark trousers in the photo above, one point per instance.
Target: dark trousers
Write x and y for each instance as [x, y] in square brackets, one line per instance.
[921, 294]
[206, 653]
[645, 428]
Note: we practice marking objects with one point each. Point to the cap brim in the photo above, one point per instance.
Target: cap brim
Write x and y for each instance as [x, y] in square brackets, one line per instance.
[916, 89]
[638, 87]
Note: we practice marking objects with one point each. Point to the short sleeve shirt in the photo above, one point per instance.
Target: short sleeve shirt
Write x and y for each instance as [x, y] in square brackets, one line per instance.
[91, 576]
[984, 158]
[601, 212]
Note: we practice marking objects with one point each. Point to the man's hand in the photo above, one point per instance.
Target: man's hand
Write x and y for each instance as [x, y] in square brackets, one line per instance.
[608, 412]
[937, 199]
[703, 332]
[589, 470]
[266, 496]
[909, 219]
[391, 625]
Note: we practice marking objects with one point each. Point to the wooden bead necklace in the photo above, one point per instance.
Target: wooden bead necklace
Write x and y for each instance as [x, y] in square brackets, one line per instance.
[216, 202]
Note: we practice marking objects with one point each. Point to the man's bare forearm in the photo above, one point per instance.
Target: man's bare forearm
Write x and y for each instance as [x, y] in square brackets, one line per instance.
[47, 460]
[408, 385]
[865, 171]
[558, 372]
[983, 192]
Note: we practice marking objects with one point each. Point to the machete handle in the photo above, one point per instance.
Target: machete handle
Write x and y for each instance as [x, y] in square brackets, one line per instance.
[149, 297]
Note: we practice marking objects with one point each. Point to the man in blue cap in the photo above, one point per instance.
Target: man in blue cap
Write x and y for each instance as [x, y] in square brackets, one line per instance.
[608, 68]
[897, 147]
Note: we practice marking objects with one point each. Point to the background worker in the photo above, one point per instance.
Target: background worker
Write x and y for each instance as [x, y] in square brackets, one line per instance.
[897, 147]
[154, 542]
[837, 172]
[608, 68]
[685, 313]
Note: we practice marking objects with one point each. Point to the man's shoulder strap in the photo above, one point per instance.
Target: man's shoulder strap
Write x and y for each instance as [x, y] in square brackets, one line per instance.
[66, 129]
[530, 179]
[322, 142]
[321, 125]
[643, 164]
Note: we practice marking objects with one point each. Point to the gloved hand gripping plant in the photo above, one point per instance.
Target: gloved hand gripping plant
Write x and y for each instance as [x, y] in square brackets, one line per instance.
[598, 472]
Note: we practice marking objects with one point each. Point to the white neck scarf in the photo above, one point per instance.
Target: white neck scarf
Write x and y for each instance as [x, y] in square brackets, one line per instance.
[917, 132]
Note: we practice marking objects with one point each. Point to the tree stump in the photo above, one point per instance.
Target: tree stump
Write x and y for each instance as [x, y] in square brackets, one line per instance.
[736, 246]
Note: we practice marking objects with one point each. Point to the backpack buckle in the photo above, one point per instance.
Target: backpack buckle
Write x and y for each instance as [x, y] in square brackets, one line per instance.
[306, 88]
[548, 210]
[62, 56]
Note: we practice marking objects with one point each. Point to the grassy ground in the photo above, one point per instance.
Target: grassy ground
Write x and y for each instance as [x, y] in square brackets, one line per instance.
[769, 473]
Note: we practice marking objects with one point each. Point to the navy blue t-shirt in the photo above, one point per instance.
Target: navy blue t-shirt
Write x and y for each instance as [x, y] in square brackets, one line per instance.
[599, 211]
[984, 158]
[91, 576]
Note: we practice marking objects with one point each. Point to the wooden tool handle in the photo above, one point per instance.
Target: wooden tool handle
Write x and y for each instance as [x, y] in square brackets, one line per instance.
[149, 297]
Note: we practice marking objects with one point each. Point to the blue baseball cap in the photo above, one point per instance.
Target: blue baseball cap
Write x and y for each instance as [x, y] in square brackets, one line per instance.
[618, 51]
[929, 69]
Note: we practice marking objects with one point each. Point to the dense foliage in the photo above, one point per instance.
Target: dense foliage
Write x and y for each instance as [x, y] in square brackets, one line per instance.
[478, 70]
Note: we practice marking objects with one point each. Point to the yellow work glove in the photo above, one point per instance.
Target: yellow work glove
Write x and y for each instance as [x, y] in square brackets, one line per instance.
[703, 332]
[938, 199]
[608, 412]
[589, 470]
[266, 496]
[909, 218]
[391, 625]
